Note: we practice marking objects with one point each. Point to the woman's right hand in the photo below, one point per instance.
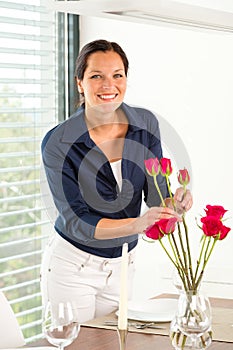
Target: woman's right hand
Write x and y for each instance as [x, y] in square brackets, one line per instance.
[114, 228]
[152, 215]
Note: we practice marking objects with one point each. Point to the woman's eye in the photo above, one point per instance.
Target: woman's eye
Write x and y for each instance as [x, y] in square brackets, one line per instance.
[95, 76]
[118, 75]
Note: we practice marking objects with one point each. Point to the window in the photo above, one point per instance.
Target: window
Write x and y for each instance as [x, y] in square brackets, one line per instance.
[29, 99]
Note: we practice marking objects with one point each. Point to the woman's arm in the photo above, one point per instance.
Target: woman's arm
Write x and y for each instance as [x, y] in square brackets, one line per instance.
[114, 228]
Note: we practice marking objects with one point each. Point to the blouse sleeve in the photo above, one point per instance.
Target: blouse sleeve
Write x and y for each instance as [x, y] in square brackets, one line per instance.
[75, 218]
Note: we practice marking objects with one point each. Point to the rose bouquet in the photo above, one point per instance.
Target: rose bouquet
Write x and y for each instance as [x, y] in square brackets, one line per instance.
[174, 240]
[191, 328]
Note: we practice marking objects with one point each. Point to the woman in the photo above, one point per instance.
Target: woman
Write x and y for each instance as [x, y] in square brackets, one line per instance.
[94, 164]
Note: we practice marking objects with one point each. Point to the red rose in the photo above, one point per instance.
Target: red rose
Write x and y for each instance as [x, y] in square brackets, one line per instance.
[167, 226]
[161, 228]
[183, 177]
[165, 166]
[215, 210]
[152, 166]
[153, 232]
[213, 226]
[224, 232]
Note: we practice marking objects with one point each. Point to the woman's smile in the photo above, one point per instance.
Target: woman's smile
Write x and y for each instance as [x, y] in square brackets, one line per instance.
[109, 97]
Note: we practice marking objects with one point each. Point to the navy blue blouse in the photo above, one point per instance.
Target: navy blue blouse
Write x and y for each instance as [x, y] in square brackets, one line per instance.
[82, 183]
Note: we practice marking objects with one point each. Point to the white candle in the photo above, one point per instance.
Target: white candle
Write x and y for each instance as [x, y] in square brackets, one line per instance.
[123, 301]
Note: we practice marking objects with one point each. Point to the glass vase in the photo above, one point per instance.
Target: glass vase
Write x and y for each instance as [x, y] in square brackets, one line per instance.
[191, 326]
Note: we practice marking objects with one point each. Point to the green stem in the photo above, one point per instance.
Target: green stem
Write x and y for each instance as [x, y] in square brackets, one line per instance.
[180, 264]
[206, 259]
[164, 248]
[211, 250]
[181, 240]
[172, 247]
[207, 248]
[188, 249]
[183, 341]
[170, 193]
[185, 263]
[199, 260]
[176, 253]
[158, 189]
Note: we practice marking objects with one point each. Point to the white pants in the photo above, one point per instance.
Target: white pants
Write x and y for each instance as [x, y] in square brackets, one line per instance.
[89, 281]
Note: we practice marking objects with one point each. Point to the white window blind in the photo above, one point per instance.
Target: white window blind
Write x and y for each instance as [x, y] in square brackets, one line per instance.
[28, 107]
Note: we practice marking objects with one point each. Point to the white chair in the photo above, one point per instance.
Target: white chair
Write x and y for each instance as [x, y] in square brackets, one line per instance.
[11, 335]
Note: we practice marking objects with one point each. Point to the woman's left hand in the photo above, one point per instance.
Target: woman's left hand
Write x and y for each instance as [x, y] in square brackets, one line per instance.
[183, 200]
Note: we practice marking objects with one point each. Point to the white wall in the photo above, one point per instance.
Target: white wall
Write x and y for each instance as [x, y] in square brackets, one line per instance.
[187, 78]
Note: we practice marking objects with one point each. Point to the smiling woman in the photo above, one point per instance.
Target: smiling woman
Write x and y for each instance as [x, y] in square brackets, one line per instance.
[184, 75]
[99, 199]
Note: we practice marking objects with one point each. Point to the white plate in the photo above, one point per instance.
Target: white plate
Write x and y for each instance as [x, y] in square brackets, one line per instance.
[153, 310]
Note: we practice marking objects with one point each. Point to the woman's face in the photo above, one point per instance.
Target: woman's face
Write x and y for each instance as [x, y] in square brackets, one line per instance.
[104, 81]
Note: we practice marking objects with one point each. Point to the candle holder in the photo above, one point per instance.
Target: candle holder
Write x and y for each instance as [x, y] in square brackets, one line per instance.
[122, 335]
